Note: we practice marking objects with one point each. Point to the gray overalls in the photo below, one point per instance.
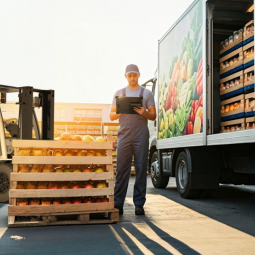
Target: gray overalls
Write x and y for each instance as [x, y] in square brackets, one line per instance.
[133, 139]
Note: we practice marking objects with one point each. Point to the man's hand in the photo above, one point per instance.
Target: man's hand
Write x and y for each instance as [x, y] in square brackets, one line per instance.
[113, 115]
[140, 110]
[150, 114]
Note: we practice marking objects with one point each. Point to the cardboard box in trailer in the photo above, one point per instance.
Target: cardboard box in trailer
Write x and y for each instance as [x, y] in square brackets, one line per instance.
[205, 99]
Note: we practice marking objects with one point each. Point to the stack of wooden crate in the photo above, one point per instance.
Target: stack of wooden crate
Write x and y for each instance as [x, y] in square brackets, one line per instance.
[237, 82]
[62, 213]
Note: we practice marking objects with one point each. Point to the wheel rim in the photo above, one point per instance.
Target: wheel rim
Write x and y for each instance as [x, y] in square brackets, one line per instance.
[4, 183]
[182, 174]
[154, 170]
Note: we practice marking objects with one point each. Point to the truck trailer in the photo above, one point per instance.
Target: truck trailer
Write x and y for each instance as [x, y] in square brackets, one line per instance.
[204, 135]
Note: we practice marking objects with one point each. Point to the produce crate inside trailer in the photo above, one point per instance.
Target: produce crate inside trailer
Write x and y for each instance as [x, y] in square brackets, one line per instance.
[76, 186]
[248, 55]
[250, 104]
[233, 125]
[232, 108]
[248, 34]
[231, 63]
[250, 123]
[231, 85]
[249, 79]
[232, 43]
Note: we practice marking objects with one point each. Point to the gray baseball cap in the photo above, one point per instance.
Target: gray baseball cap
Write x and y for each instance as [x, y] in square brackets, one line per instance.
[132, 69]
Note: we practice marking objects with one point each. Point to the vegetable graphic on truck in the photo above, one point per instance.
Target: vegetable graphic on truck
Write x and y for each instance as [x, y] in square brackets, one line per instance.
[181, 83]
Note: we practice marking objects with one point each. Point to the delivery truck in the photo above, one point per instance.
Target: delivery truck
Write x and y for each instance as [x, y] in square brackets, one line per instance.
[205, 130]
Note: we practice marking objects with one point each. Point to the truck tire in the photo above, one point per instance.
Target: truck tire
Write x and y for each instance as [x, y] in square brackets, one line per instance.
[183, 179]
[158, 180]
[5, 170]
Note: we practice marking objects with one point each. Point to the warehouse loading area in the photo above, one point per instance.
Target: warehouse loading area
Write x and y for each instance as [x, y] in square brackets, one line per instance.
[62, 189]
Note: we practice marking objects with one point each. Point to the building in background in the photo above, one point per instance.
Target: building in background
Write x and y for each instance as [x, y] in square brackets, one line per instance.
[75, 118]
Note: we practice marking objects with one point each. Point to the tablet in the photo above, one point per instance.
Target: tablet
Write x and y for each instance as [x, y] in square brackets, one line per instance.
[125, 105]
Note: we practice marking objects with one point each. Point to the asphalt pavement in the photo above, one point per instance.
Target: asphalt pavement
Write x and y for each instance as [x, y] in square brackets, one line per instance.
[223, 224]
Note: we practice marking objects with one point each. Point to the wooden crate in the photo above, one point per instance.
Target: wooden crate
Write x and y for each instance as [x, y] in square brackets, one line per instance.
[15, 210]
[234, 90]
[250, 102]
[248, 48]
[250, 123]
[229, 104]
[233, 46]
[235, 67]
[247, 37]
[227, 126]
[249, 78]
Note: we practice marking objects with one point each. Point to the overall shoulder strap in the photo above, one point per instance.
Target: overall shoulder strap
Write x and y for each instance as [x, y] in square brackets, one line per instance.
[124, 92]
[141, 92]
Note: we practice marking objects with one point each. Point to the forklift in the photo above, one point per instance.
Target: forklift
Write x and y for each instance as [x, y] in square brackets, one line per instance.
[26, 126]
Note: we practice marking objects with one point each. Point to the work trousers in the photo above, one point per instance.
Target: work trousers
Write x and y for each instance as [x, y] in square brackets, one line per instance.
[132, 140]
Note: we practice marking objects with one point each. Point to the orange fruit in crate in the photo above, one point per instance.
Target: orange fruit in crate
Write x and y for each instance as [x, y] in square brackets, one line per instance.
[58, 153]
[98, 153]
[81, 153]
[105, 200]
[88, 186]
[77, 138]
[77, 171]
[87, 138]
[99, 170]
[86, 170]
[100, 139]
[24, 169]
[68, 153]
[48, 169]
[101, 185]
[91, 154]
[66, 136]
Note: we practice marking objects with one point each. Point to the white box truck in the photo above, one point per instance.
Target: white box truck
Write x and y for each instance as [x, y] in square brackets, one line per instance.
[205, 131]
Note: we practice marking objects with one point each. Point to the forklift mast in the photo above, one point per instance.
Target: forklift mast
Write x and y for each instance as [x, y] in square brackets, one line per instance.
[27, 116]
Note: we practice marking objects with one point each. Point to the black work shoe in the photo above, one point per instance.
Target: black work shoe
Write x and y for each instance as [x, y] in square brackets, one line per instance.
[139, 210]
[119, 208]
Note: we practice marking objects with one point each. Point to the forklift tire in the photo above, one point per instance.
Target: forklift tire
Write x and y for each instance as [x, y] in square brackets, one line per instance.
[5, 170]
[182, 175]
[158, 180]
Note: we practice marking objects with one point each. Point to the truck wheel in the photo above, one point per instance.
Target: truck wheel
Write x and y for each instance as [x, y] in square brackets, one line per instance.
[182, 176]
[5, 170]
[158, 180]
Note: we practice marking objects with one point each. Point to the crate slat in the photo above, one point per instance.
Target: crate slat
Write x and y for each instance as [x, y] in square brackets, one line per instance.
[233, 122]
[61, 144]
[233, 99]
[43, 193]
[61, 176]
[64, 160]
[32, 210]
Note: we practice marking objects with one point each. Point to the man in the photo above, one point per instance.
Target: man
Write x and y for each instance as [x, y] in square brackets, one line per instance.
[133, 139]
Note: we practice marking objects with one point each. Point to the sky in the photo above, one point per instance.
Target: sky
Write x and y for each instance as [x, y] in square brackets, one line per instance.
[80, 48]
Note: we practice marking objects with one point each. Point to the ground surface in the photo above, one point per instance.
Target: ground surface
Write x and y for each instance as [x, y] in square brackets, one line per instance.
[223, 224]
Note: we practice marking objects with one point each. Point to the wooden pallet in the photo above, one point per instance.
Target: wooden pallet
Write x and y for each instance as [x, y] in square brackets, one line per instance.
[88, 217]
[15, 210]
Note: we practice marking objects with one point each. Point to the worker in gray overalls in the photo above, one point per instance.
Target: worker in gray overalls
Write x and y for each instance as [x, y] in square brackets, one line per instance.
[133, 139]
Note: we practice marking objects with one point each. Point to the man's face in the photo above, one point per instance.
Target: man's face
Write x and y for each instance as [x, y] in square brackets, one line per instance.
[132, 78]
